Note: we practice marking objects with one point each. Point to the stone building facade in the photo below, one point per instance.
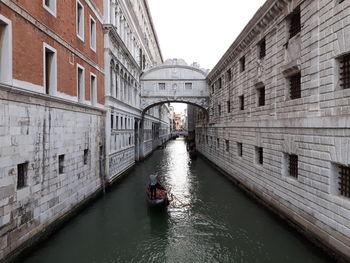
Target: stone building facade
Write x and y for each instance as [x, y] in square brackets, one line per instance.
[131, 46]
[51, 113]
[279, 117]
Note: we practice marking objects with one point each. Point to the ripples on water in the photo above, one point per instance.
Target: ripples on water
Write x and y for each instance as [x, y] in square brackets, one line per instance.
[209, 221]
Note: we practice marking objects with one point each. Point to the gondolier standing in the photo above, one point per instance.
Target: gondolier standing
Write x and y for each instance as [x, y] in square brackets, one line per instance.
[153, 184]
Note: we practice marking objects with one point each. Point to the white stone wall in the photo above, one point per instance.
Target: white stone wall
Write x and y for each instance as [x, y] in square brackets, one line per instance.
[315, 127]
[36, 130]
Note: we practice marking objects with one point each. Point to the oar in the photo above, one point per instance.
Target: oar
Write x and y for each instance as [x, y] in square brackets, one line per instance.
[179, 200]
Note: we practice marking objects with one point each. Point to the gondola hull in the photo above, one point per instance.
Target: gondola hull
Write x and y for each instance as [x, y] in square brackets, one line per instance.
[161, 200]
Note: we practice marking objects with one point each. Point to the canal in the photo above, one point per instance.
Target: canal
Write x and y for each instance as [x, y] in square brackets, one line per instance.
[212, 221]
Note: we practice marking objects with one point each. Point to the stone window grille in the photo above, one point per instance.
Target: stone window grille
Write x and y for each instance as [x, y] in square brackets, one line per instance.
[259, 153]
[227, 143]
[161, 86]
[188, 85]
[61, 164]
[22, 172]
[293, 165]
[86, 155]
[262, 48]
[295, 86]
[261, 96]
[344, 180]
[242, 64]
[241, 102]
[228, 106]
[294, 22]
[345, 71]
[239, 149]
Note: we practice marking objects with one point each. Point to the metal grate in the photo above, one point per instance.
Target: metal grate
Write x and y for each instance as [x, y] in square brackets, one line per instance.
[260, 155]
[22, 170]
[345, 71]
[293, 165]
[262, 49]
[344, 180]
[261, 95]
[294, 23]
[295, 86]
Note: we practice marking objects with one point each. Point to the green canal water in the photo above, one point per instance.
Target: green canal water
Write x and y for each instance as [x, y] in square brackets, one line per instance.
[212, 221]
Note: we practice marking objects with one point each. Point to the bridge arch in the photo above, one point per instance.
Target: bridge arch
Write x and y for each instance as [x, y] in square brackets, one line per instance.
[174, 81]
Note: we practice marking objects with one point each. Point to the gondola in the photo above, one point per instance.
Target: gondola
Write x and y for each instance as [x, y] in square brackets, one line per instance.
[161, 200]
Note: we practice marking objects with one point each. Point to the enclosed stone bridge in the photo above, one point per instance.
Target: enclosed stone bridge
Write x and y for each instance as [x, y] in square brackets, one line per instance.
[174, 81]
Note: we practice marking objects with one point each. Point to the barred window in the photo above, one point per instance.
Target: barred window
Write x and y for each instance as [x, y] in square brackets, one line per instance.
[293, 165]
[219, 110]
[228, 106]
[262, 48]
[345, 71]
[86, 155]
[219, 83]
[227, 143]
[241, 102]
[261, 96]
[295, 86]
[239, 149]
[294, 22]
[344, 180]
[242, 64]
[259, 153]
[61, 164]
[229, 75]
[22, 171]
[212, 88]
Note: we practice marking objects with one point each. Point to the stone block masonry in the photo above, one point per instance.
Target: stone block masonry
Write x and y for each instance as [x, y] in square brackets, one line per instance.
[285, 135]
[59, 144]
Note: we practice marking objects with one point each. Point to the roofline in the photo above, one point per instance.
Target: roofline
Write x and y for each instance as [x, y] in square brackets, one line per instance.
[162, 66]
[153, 28]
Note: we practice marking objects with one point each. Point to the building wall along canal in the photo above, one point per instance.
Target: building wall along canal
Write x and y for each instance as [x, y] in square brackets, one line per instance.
[279, 115]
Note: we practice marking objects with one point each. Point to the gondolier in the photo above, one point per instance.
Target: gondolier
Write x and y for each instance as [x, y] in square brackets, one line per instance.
[153, 184]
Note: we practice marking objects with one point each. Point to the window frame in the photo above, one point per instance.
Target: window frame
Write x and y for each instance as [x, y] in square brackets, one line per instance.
[6, 52]
[53, 74]
[93, 46]
[81, 37]
[53, 10]
[80, 90]
[93, 89]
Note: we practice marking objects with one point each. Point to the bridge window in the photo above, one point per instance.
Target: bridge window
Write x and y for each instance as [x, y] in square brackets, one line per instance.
[188, 85]
[161, 86]
[294, 22]
[262, 48]
[345, 71]
[242, 64]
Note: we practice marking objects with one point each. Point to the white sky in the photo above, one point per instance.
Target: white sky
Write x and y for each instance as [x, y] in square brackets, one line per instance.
[200, 30]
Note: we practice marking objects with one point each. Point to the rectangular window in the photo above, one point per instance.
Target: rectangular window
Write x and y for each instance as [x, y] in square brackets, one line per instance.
[227, 143]
[294, 22]
[50, 6]
[259, 155]
[61, 164]
[261, 96]
[218, 142]
[80, 83]
[344, 180]
[86, 156]
[219, 83]
[112, 121]
[161, 86]
[22, 172]
[207, 139]
[50, 68]
[229, 75]
[345, 71]
[219, 110]
[242, 64]
[295, 86]
[80, 21]
[293, 165]
[93, 90]
[92, 34]
[5, 50]
[241, 102]
[262, 48]
[188, 85]
[228, 106]
[239, 149]
[212, 88]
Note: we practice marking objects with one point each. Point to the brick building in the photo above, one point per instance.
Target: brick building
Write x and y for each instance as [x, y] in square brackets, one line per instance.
[51, 112]
[279, 117]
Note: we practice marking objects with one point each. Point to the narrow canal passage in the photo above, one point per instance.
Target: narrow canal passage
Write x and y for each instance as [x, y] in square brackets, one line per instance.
[213, 222]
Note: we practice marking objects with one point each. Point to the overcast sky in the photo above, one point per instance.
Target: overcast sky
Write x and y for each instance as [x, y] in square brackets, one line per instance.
[200, 30]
